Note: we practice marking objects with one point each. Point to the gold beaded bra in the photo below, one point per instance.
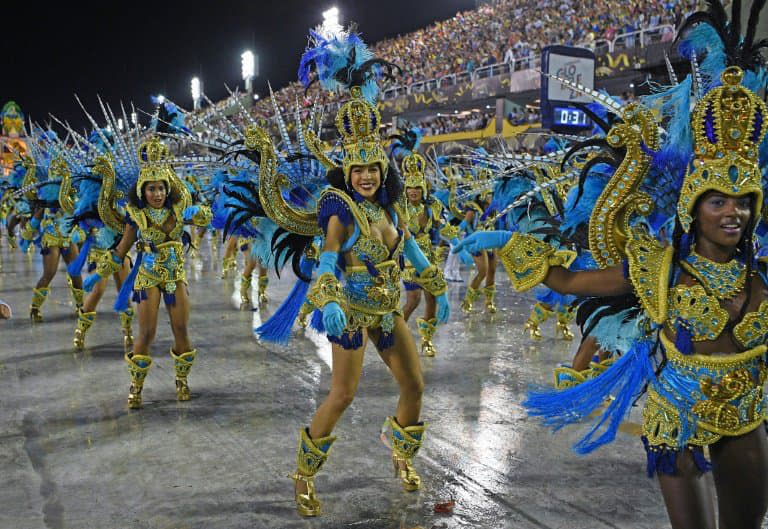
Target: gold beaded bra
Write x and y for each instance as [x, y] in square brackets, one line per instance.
[696, 308]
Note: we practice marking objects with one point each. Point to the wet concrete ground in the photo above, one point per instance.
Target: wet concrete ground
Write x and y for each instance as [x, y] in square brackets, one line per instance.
[73, 456]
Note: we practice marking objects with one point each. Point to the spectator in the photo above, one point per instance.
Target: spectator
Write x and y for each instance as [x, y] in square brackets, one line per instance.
[513, 31]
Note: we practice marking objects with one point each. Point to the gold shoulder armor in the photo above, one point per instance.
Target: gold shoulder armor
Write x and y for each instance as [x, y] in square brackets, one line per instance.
[137, 216]
[527, 260]
[649, 263]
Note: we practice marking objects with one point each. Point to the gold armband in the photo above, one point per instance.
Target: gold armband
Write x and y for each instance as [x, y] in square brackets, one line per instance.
[527, 260]
[107, 264]
[431, 280]
[29, 233]
[203, 216]
[449, 232]
[325, 290]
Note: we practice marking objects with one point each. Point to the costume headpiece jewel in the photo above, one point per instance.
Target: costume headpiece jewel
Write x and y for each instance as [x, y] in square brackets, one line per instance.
[728, 128]
[343, 62]
[413, 165]
[154, 158]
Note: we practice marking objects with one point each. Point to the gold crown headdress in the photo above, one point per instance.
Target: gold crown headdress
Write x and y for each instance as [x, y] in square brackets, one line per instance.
[413, 171]
[154, 158]
[728, 129]
[358, 124]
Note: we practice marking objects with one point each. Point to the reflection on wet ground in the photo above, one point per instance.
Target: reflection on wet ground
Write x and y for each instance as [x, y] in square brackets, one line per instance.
[73, 456]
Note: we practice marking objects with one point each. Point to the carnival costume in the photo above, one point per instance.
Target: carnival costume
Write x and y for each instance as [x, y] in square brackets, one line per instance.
[474, 202]
[51, 200]
[99, 213]
[693, 400]
[160, 250]
[297, 197]
[425, 223]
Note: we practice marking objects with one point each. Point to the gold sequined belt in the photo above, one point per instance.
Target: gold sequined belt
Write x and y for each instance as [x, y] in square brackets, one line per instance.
[374, 294]
[697, 399]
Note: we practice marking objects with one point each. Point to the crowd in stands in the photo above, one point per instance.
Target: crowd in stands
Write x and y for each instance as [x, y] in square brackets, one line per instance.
[448, 123]
[510, 31]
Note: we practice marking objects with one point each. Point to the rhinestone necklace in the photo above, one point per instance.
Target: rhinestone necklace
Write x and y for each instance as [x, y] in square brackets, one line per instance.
[723, 280]
[373, 211]
[158, 215]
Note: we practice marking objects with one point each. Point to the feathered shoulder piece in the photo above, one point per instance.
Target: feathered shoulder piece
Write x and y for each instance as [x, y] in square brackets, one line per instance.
[336, 202]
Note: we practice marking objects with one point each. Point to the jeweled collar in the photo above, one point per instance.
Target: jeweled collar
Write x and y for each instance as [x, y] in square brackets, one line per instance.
[158, 216]
[722, 280]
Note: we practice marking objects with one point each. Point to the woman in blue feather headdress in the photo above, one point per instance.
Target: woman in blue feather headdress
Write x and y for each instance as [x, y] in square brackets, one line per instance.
[690, 316]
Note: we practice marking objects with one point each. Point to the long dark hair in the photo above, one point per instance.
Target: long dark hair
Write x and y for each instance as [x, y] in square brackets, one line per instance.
[171, 198]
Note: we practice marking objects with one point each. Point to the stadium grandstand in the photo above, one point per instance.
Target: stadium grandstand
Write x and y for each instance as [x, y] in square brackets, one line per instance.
[493, 52]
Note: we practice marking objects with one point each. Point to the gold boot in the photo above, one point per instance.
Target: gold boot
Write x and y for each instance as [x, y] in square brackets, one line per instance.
[84, 322]
[469, 299]
[38, 298]
[182, 363]
[310, 458]
[564, 317]
[405, 444]
[245, 292]
[427, 330]
[77, 294]
[539, 314]
[263, 282]
[227, 265]
[138, 366]
[490, 294]
[126, 318]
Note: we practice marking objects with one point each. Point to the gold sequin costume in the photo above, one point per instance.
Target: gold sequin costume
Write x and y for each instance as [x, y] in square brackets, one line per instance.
[372, 290]
[693, 399]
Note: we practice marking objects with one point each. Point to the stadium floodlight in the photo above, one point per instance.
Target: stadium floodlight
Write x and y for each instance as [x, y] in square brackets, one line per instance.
[331, 26]
[197, 92]
[248, 68]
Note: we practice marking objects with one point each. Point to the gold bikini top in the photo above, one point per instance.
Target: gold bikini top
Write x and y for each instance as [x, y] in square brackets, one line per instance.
[414, 217]
[699, 311]
[151, 228]
[366, 246]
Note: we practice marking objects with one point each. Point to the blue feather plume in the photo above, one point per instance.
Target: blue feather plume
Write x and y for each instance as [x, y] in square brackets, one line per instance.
[278, 327]
[624, 380]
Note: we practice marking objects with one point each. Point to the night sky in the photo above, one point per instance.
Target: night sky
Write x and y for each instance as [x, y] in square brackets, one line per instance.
[51, 51]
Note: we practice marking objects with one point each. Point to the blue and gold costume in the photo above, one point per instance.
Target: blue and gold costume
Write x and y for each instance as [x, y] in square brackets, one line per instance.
[704, 366]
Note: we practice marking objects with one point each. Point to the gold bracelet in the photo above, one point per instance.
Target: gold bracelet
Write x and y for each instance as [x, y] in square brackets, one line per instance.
[449, 231]
[325, 290]
[527, 260]
[431, 280]
[107, 265]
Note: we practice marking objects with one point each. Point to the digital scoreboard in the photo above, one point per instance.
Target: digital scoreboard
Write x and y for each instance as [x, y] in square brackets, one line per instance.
[558, 111]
